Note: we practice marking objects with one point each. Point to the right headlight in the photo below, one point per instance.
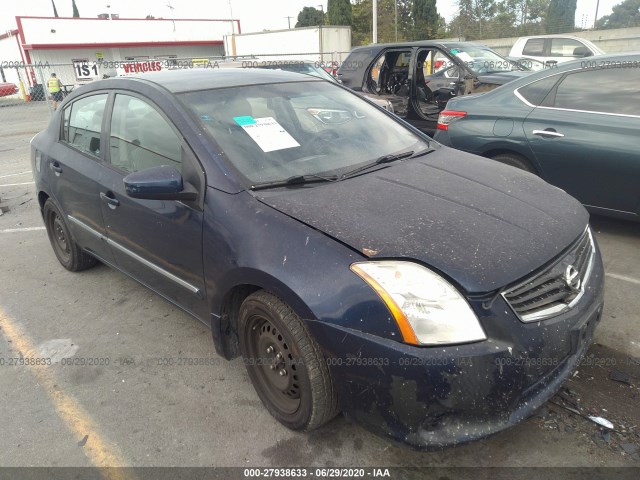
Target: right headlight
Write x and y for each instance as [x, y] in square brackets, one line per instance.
[427, 308]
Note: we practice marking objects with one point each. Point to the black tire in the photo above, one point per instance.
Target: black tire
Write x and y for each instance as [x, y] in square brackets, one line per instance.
[69, 254]
[285, 364]
[515, 160]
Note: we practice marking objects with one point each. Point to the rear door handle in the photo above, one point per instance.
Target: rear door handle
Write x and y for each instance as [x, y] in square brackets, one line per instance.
[548, 133]
[55, 166]
[110, 200]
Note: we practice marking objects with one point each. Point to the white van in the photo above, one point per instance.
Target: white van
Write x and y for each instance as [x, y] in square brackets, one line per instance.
[553, 48]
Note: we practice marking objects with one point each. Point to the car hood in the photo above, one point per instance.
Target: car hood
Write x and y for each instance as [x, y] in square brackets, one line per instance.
[500, 78]
[483, 224]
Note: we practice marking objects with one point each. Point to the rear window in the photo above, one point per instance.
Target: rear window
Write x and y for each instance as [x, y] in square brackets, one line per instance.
[355, 61]
[534, 46]
[536, 92]
[82, 123]
[566, 47]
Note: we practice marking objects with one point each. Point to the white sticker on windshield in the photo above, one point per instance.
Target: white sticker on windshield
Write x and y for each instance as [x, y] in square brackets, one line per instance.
[464, 56]
[267, 133]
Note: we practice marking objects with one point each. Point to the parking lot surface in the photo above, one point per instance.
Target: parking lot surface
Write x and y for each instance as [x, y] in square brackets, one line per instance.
[144, 386]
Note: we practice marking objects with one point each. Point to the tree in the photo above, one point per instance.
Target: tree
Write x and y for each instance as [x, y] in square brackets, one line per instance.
[310, 17]
[55, 11]
[425, 19]
[76, 14]
[625, 14]
[561, 16]
[473, 18]
[339, 12]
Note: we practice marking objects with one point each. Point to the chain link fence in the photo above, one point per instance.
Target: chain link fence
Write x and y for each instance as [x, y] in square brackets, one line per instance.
[24, 87]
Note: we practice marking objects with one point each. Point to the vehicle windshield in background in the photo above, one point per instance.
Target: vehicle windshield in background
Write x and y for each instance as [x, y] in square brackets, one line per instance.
[483, 61]
[275, 132]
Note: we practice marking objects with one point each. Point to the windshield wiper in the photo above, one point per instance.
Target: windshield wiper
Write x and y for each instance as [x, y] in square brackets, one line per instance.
[386, 159]
[294, 180]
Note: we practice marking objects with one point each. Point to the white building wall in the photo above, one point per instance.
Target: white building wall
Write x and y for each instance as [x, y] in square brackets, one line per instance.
[610, 41]
[9, 58]
[55, 31]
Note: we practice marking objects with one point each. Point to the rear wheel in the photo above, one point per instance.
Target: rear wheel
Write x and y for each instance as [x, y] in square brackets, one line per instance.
[69, 254]
[515, 160]
[285, 363]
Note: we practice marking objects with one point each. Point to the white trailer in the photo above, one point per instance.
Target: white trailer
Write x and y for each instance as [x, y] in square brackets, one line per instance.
[321, 44]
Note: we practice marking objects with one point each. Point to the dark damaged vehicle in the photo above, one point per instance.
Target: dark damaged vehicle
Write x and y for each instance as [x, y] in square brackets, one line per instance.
[355, 264]
[418, 78]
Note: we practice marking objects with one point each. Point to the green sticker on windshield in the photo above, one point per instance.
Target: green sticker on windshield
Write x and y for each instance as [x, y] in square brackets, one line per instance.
[455, 51]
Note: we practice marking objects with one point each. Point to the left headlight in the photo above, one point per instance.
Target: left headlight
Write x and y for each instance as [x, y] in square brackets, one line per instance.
[427, 308]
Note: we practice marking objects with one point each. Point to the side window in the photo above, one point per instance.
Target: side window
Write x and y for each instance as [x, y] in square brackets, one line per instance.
[82, 124]
[141, 138]
[536, 92]
[565, 47]
[583, 91]
[534, 47]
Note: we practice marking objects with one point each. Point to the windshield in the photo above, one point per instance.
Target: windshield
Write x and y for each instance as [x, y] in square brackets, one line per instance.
[274, 132]
[483, 60]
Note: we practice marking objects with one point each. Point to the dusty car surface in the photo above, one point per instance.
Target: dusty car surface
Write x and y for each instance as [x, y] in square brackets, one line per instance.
[556, 125]
[355, 264]
[420, 77]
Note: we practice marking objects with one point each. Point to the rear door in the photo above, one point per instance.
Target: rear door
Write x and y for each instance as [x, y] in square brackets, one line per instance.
[75, 167]
[585, 136]
[158, 242]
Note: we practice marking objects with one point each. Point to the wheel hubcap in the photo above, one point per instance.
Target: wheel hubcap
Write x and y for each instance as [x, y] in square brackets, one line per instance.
[59, 235]
[275, 365]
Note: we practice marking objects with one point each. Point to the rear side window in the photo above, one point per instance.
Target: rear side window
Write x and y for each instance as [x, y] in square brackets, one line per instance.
[82, 123]
[536, 92]
[583, 91]
[141, 137]
[565, 47]
[534, 47]
[355, 61]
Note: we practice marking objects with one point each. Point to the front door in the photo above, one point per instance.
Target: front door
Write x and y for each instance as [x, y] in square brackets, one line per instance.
[158, 242]
[586, 141]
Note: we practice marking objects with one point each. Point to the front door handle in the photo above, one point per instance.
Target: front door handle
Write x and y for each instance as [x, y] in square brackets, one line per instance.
[55, 166]
[110, 200]
[548, 133]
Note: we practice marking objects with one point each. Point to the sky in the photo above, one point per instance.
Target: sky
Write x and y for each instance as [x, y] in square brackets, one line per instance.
[254, 15]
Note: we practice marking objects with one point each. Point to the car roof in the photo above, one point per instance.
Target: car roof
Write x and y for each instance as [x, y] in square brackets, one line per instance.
[421, 43]
[604, 62]
[552, 36]
[188, 80]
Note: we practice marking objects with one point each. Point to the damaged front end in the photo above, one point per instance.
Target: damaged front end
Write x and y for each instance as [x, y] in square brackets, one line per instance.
[437, 396]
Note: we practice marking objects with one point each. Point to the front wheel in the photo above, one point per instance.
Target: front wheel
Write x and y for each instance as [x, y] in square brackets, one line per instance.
[69, 254]
[285, 363]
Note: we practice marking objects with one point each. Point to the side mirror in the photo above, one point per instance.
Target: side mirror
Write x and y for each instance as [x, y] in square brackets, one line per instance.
[159, 183]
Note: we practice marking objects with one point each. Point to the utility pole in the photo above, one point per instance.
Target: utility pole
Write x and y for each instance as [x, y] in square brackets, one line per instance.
[596, 19]
[375, 21]
[289, 20]
[320, 31]
[395, 8]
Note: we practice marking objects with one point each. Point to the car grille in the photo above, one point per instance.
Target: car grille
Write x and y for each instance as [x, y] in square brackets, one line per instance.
[558, 287]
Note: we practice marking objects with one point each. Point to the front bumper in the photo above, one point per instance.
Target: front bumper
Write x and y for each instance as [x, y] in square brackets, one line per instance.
[433, 397]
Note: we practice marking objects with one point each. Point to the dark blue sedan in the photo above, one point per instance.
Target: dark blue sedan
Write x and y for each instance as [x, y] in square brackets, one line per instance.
[355, 264]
